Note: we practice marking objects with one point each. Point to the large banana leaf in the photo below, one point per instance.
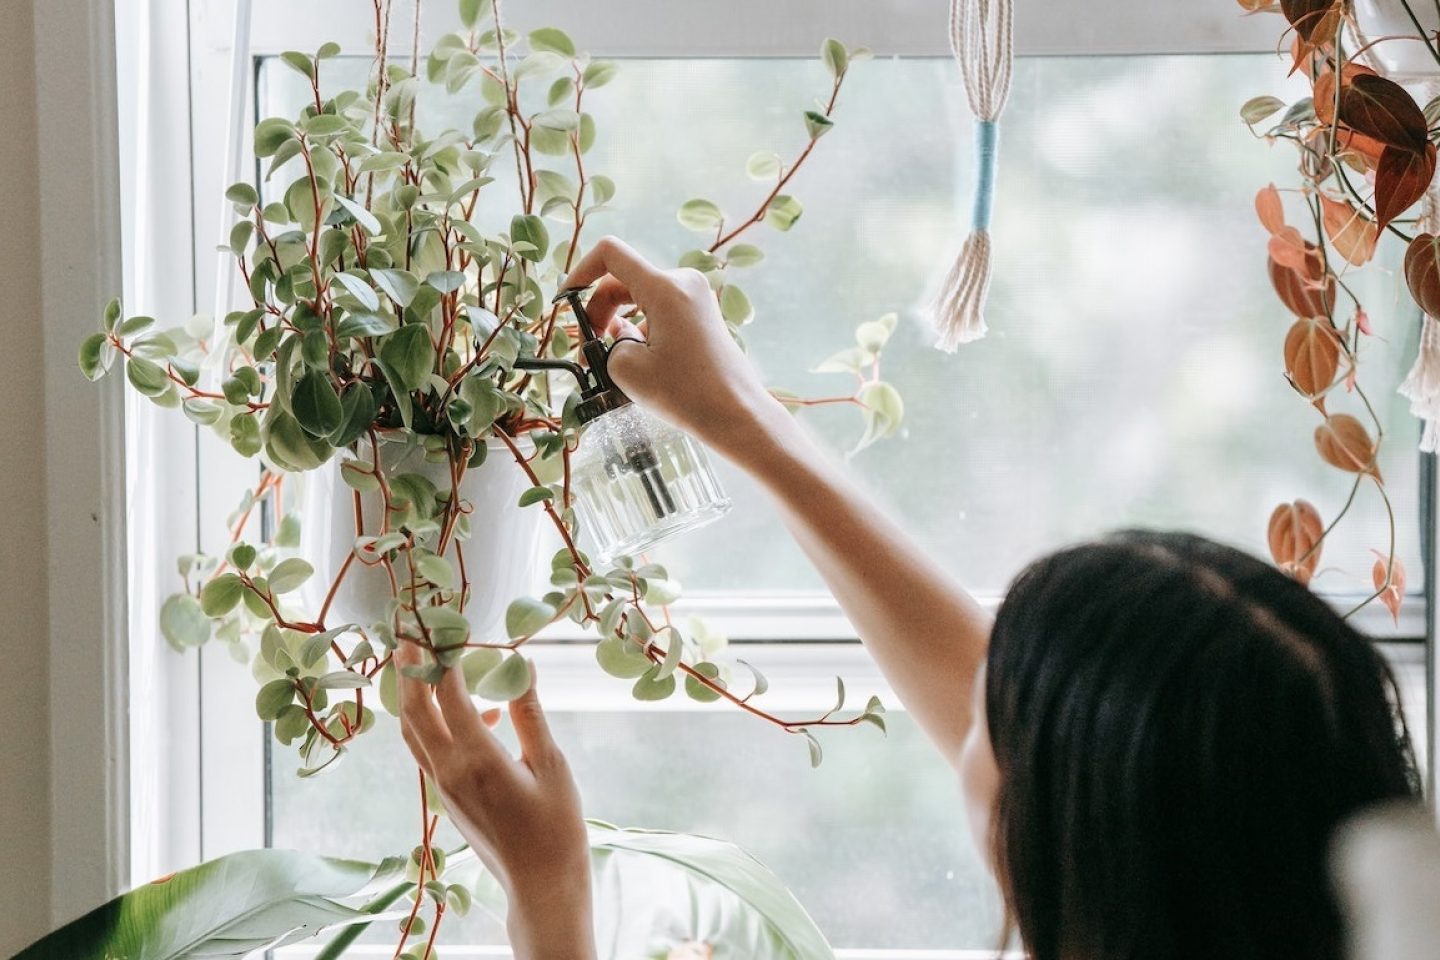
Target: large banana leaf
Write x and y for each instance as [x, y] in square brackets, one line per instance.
[225, 909]
[657, 892]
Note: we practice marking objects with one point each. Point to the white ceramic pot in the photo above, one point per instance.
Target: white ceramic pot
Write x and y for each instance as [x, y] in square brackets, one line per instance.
[1404, 61]
[501, 556]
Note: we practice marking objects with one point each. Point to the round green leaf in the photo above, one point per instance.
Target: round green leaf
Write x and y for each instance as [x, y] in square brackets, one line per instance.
[525, 617]
[507, 681]
[220, 595]
[183, 622]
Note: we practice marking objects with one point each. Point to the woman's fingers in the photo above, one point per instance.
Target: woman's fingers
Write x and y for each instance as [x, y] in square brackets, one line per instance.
[420, 720]
[604, 306]
[467, 727]
[536, 745]
[614, 257]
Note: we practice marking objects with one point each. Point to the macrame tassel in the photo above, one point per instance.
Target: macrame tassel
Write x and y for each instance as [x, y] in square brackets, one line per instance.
[960, 305]
[982, 38]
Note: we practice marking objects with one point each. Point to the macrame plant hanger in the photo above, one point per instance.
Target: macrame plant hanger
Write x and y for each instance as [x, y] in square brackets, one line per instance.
[982, 39]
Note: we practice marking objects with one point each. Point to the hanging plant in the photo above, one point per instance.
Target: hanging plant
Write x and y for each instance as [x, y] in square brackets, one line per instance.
[385, 346]
[1367, 156]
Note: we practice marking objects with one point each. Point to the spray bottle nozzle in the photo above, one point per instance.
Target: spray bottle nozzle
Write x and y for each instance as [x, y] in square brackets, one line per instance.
[598, 393]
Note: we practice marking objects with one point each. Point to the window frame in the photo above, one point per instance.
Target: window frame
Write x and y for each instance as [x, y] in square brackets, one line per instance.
[199, 788]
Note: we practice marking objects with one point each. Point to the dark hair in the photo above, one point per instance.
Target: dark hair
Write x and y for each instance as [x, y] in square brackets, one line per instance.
[1179, 728]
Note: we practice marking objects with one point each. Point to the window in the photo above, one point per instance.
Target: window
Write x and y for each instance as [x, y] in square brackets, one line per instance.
[1131, 378]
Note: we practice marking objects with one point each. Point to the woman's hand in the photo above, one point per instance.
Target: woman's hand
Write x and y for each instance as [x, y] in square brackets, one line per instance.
[685, 366]
[520, 816]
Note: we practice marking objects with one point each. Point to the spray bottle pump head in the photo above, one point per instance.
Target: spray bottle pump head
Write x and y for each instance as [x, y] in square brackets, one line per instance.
[598, 393]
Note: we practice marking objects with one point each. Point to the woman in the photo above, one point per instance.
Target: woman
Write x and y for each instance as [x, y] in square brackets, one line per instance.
[1164, 738]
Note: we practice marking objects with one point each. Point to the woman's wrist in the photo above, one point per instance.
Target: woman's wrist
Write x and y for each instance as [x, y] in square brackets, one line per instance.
[552, 922]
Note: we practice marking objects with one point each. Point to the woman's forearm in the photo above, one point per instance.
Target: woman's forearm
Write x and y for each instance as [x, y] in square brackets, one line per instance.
[927, 634]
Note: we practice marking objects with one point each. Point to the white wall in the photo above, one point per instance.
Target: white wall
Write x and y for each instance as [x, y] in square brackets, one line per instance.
[62, 745]
[24, 681]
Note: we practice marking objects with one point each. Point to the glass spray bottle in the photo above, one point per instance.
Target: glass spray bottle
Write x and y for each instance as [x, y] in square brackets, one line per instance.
[637, 480]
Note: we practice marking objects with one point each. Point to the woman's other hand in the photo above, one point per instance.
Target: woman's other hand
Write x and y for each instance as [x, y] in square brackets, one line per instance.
[521, 815]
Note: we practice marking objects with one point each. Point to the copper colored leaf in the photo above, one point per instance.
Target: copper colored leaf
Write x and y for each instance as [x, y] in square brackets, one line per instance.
[1401, 179]
[1380, 108]
[1315, 21]
[1344, 443]
[1301, 297]
[1312, 355]
[1352, 234]
[1295, 535]
[1270, 210]
[1422, 272]
[1389, 585]
[1289, 249]
[1256, 6]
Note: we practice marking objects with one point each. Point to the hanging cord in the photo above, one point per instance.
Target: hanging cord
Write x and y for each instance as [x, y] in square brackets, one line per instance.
[982, 37]
[1422, 386]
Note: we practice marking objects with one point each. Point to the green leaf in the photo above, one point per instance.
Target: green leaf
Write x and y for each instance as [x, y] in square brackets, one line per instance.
[761, 684]
[817, 755]
[289, 574]
[835, 56]
[674, 649]
[227, 909]
[364, 324]
[507, 681]
[399, 285]
[364, 217]
[220, 595]
[552, 40]
[316, 405]
[525, 617]
[245, 435]
[410, 354]
[146, 376]
[735, 305]
[358, 289]
[270, 134]
[817, 124]
[274, 697]
[342, 680]
[476, 663]
[183, 622]
[872, 335]
[445, 281]
[96, 355]
[651, 687]
[111, 315]
[357, 413]
[536, 495]
[288, 535]
[621, 658]
[242, 556]
[783, 211]
[448, 630]
[471, 12]
[530, 229]
[299, 62]
[743, 255]
[242, 195]
[436, 569]
[399, 391]
[763, 165]
[1261, 108]
[134, 325]
[884, 410]
[699, 215]
[698, 691]
[599, 73]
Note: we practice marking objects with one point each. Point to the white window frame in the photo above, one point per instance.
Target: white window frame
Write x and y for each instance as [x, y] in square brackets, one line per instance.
[198, 788]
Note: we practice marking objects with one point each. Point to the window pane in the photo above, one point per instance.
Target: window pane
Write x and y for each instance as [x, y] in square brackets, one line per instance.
[873, 843]
[1133, 374]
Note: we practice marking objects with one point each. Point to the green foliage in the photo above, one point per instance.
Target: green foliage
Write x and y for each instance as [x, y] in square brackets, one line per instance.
[228, 908]
[391, 301]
